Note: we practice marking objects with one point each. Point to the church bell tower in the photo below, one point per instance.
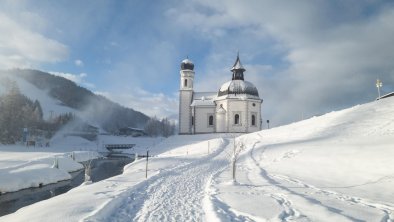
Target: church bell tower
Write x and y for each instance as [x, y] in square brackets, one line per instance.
[185, 97]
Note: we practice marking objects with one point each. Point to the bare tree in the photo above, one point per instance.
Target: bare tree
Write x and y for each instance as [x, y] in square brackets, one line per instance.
[235, 153]
[238, 147]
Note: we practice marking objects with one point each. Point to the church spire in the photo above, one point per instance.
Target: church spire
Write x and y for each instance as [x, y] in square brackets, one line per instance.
[238, 70]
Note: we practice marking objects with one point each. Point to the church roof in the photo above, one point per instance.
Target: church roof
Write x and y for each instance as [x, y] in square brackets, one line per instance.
[238, 70]
[187, 60]
[187, 64]
[203, 99]
[237, 65]
[206, 95]
[239, 88]
[199, 102]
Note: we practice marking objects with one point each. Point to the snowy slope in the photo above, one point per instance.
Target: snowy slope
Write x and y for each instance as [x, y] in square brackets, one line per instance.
[50, 106]
[336, 167]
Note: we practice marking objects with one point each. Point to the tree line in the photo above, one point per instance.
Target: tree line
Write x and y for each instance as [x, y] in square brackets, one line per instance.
[109, 115]
[18, 112]
[155, 127]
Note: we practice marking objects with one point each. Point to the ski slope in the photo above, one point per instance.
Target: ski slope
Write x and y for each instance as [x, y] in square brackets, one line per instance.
[51, 107]
[336, 167]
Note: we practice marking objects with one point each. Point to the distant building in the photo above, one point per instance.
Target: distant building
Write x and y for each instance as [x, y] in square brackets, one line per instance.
[129, 131]
[236, 107]
[84, 130]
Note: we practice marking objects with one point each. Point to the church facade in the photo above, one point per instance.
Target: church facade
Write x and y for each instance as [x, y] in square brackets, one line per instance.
[235, 108]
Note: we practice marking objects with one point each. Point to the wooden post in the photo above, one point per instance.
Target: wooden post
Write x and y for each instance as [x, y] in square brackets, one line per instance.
[146, 169]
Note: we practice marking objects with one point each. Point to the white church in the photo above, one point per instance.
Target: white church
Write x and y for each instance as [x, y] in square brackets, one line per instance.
[235, 108]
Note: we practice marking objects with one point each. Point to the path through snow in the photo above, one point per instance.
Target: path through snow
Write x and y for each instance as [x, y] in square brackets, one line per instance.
[177, 194]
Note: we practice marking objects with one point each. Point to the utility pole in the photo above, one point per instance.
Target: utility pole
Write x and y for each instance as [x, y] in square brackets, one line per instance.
[379, 85]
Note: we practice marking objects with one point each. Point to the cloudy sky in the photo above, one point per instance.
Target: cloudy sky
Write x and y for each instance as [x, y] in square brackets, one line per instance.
[306, 57]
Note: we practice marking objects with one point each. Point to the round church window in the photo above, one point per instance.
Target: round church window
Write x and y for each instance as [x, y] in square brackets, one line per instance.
[254, 104]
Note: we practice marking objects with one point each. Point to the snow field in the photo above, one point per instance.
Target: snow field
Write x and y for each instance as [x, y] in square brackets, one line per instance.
[175, 183]
[336, 167]
[36, 169]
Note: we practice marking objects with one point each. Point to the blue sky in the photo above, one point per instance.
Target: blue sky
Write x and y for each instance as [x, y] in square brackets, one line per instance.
[305, 57]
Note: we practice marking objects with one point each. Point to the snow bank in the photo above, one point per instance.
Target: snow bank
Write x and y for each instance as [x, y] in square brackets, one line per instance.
[38, 172]
[22, 167]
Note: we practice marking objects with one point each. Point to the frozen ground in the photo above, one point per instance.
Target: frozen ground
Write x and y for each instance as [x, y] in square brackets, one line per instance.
[336, 167]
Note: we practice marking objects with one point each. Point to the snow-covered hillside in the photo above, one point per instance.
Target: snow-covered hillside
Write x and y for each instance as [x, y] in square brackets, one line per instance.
[57, 95]
[336, 167]
[50, 106]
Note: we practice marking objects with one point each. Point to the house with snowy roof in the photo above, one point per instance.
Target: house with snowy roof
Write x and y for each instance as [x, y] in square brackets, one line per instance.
[235, 108]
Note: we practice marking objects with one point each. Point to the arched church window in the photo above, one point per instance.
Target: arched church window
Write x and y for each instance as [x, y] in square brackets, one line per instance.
[210, 120]
[253, 120]
[236, 119]
[185, 83]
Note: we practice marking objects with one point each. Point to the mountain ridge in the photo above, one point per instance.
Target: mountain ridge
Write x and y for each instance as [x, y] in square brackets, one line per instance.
[93, 108]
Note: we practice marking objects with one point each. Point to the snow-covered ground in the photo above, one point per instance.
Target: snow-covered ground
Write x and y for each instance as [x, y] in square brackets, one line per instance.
[24, 167]
[336, 167]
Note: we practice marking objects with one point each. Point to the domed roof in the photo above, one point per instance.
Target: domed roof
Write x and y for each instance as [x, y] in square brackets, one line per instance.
[187, 64]
[239, 87]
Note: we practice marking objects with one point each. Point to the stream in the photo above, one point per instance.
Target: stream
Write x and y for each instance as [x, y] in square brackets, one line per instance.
[101, 169]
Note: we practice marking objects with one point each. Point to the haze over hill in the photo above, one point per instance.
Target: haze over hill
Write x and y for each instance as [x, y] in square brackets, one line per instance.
[58, 96]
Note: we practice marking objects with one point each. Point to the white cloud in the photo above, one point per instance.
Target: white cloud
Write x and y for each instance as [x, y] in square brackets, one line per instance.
[329, 59]
[114, 44]
[22, 47]
[79, 63]
[79, 79]
[151, 104]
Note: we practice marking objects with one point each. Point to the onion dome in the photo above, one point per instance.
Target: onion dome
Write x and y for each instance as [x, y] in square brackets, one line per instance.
[187, 64]
[239, 88]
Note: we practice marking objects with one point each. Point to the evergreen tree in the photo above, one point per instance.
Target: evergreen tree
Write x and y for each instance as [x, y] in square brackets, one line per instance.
[38, 113]
[156, 127]
[17, 112]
